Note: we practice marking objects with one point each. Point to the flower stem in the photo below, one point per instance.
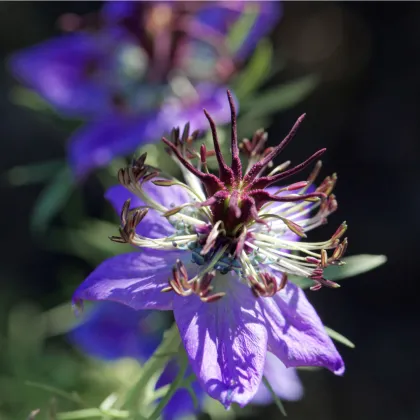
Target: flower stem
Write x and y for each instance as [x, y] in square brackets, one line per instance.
[176, 384]
[153, 368]
[276, 399]
[90, 413]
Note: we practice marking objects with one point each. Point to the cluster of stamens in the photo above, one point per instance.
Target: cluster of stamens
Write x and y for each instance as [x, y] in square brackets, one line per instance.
[267, 285]
[129, 221]
[181, 285]
[232, 221]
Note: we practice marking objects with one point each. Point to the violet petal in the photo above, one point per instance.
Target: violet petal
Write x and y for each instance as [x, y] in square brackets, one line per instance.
[225, 341]
[58, 69]
[111, 331]
[296, 334]
[134, 279]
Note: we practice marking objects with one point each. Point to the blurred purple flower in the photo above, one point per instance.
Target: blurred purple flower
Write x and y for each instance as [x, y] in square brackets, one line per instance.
[129, 67]
[224, 242]
[112, 331]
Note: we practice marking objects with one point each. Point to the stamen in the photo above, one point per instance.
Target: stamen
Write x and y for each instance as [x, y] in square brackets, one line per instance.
[294, 227]
[226, 174]
[236, 161]
[225, 227]
[256, 169]
[181, 285]
[264, 182]
[268, 285]
[210, 181]
[129, 222]
[212, 236]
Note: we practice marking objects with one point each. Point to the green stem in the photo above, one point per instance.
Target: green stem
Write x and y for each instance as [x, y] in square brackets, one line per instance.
[194, 398]
[69, 396]
[155, 365]
[276, 399]
[176, 384]
[90, 413]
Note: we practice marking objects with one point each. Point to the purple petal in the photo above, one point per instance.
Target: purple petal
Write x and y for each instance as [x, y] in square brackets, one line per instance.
[134, 279]
[58, 69]
[96, 144]
[225, 341]
[269, 12]
[284, 381]
[211, 98]
[154, 225]
[112, 331]
[297, 336]
[116, 11]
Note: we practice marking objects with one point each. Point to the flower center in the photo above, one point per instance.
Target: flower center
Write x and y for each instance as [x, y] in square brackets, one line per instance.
[236, 222]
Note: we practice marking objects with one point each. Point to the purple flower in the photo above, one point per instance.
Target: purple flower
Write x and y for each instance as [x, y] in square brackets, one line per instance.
[112, 331]
[136, 67]
[227, 245]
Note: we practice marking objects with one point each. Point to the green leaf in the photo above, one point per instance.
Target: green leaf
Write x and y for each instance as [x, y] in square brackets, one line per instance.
[59, 319]
[89, 413]
[302, 282]
[33, 173]
[241, 28]
[174, 386]
[29, 99]
[60, 393]
[193, 396]
[52, 199]
[90, 242]
[152, 368]
[354, 265]
[95, 233]
[256, 72]
[339, 337]
[281, 97]
[276, 399]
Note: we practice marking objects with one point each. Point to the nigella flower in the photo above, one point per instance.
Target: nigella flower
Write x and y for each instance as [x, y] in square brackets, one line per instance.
[112, 331]
[227, 244]
[136, 67]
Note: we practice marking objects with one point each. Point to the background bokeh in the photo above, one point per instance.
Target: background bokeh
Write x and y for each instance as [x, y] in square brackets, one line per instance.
[365, 111]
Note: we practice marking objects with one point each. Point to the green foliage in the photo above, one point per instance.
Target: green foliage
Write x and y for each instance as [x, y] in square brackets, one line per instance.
[354, 265]
[52, 199]
[279, 98]
[33, 173]
[256, 72]
[89, 242]
[37, 373]
[276, 399]
[339, 337]
[241, 28]
[29, 99]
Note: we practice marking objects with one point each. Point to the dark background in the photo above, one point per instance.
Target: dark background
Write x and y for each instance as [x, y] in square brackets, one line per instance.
[365, 112]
